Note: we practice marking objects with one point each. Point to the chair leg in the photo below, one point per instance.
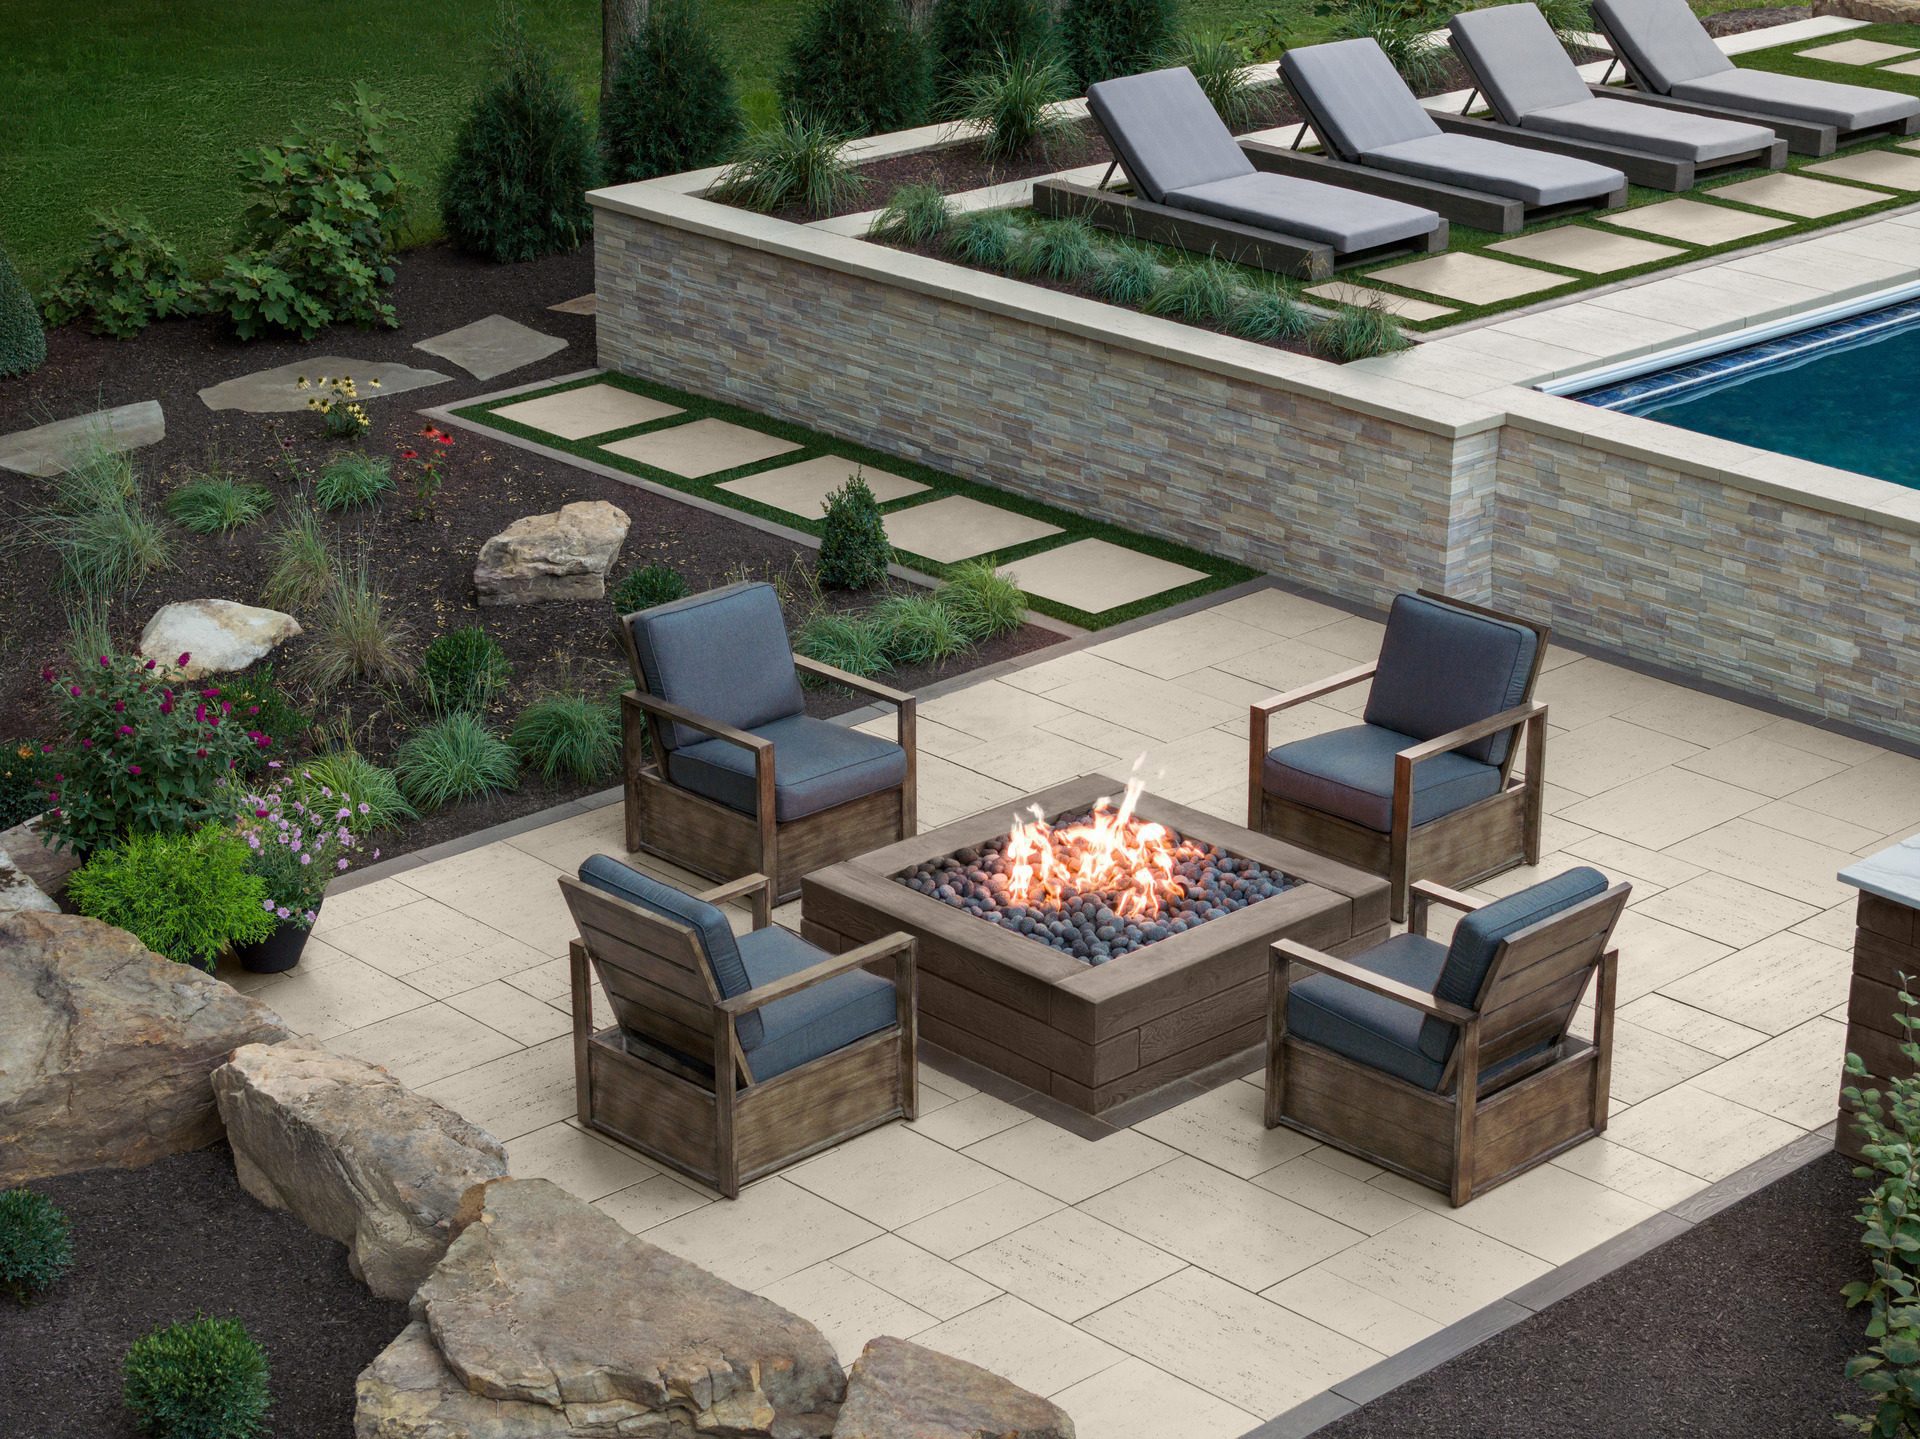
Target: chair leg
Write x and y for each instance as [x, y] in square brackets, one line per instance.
[726, 1153]
[1466, 1099]
[906, 999]
[1533, 815]
[1279, 977]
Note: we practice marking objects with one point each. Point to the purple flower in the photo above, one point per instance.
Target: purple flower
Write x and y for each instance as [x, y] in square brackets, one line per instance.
[86, 744]
[184, 657]
[200, 753]
[119, 705]
[365, 808]
[150, 664]
[105, 662]
[47, 674]
[74, 690]
[267, 905]
[282, 911]
[306, 859]
[342, 864]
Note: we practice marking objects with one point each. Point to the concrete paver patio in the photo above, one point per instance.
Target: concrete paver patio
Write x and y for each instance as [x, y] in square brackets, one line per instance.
[1194, 1262]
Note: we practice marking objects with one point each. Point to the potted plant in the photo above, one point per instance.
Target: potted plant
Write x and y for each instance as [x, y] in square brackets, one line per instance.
[298, 839]
[190, 897]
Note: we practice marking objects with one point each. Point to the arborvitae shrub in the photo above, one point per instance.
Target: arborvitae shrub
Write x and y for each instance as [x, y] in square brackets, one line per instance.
[673, 105]
[1105, 38]
[966, 36]
[858, 66]
[23, 343]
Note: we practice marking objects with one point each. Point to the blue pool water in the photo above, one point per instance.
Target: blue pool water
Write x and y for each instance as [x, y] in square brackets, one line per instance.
[1846, 394]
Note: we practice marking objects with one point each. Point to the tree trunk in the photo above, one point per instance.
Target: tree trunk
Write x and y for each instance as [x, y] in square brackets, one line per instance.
[620, 21]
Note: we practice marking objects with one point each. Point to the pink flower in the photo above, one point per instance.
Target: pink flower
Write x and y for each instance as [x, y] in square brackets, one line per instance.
[282, 912]
[74, 690]
[105, 662]
[46, 749]
[86, 744]
[306, 859]
[133, 769]
[199, 714]
[124, 729]
[253, 709]
[260, 813]
[150, 664]
[183, 659]
[119, 706]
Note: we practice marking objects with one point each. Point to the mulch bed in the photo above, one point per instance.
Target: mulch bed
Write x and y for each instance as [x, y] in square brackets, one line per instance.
[177, 1239]
[1734, 1328]
[425, 568]
[1739, 22]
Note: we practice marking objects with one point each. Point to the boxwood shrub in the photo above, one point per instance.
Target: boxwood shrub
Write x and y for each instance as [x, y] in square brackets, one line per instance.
[203, 1379]
[36, 1244]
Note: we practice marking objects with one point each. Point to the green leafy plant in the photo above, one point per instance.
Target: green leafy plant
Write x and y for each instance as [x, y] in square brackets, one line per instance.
[673, 106]
[25, 770]
[299, 842]
[1358, 332]
[23, 341]
[919, 630]
[463, 669]
[854, 644]
[1063, 251]
[1105, 38]
[95, 516]
[352, 479]
[1218, 61]
[126, 278]
[854, 551]
[970, 35]
[218, 504]
[575, 735]
[1010, 101]
[859, 66]
[36, 1244]
[1268, 312]
[984, 602]
[188, 897]
[351, 638]
[260, 702]
[915, 215]
[1124, 275]
[372, 792]
[515, 187]
[646, 587]
[796, 161]
[454, 758]
[986, 238]
[202, 1379]
[424, 469]
[304, 566]
[1201, 292]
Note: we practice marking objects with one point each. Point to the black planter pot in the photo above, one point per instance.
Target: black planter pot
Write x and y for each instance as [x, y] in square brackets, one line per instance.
[278, 952]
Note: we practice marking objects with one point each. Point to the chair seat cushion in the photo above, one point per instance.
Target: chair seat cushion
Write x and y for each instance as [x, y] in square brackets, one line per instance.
[1672, 133]
[1368, 1028]
[1795, 97]
[1345, 219]
[1349, 773]
[1533, 177]
[816, 765]
[816, 1021]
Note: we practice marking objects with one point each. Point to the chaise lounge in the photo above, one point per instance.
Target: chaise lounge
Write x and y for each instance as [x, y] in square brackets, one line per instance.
[1674, 63]
[1540, 100]
[1195, 189]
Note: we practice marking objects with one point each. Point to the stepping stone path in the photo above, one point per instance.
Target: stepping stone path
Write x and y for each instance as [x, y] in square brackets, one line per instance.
[589, 410]
[1339, 292]
[1594, 252]
[560, 556]
[1470, 279]
[701, 447]
[1096, 576]
[583, 305]
[1855, 52]
[1875, 167]
[218, 636]
[1797, 195]
[1694, 222]
[277, 391]
[958, 528]
[46, 450]
[802, 489]
[492, 346]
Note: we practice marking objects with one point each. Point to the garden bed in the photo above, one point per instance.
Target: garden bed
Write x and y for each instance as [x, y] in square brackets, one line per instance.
[177, 1239]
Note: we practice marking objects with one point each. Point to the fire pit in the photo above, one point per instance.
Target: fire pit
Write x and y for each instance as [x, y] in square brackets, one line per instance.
[1094, 951]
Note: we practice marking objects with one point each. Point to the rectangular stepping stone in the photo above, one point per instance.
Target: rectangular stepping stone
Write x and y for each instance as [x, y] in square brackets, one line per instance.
[701, 447]
[1695, 222]
[1096, 576]
[1594, 252]
[1874, 167]
[46, 450]
[1855, 52]
[958, 528]
[277, 391]
[802, 489]
[579, 305]
[1798, 195]
[1470, 279]
[1339, 292]
[492, 346]
[589, 410]
[1905, 67]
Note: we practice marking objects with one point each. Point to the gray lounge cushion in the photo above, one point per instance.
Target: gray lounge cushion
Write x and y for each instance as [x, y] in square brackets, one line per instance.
[1345, 219]
[1349, 773]
[1165, 131]
[1656, 130]
[723, 655]
[816, 765]
[816, 1021]
[1515, 56]
[1369, 1028]
[1355, 99]
[1442, 667]
[1533, 177]
[1662, 40]
[1795, 97]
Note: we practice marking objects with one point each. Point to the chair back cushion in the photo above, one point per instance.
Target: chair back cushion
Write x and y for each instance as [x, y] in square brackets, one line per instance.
[1479, 935]
[1165, 131]
[1663, 40]
[1442, 667]
[1517, 60]
[1355, 99]
[723, 654]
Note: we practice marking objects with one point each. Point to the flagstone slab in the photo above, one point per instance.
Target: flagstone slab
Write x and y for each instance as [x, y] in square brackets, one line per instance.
[1799, 195]
[589, 410]
[579, 305]
[1470, 279]
[1340, 292]
[277, 391]
[1695, 222]
[701, 447]
[1593, 252]
[959, 528]
[1096, 576]
[802, 489]
[1855, 52]
[48, 449]
[492, 346]
[1874, 167]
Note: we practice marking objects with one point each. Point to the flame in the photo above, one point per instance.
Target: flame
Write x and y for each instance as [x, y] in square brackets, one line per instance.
[1130, 864]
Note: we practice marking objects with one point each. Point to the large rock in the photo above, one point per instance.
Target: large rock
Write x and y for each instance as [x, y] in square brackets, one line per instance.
[217, 636]
[353, 1154]
[561, 556]
[898, 1390]
[28, 852]
[546, 1317]
[1879, 12]
[107, 1051]
[18, 891]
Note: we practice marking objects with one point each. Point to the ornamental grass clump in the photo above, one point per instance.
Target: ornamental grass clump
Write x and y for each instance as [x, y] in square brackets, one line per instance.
[304, 565]
[463, 669]
[351, 639]
[1267, 313]
[454, 758]
[377, 802]
[646, 587]
[846, 642]
[36, 1244]
[1063, 251]
[1358, 332]
[796, 161]
[352, 480]
[915, 215]
[984, 238]
[126, 278]
[1011, 100]
[1219, 62]
[96, 518]
[188, 897]
[967, 36]
[860, 66]
[572, 736]
[298, 839]
[1201, 292]
[673, 106]
[984, 602]
[1403, 29]
[854, 549]
[202, 1379]
[919, 630]
[1124, 275]
[218, 504]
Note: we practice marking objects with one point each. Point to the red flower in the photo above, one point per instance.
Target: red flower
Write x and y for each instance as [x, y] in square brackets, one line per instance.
[150, 664]
[119, 705]
[47, 674]
[199, 714]
[74, 690]
[409, 454]
[200, 753]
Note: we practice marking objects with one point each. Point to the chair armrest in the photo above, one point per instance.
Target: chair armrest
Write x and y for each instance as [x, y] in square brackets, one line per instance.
[1467, 734]
[679, 714]
[1272, 704]
[864, 686]
[898, 946]
[1424, 893]
[1288, 951]
[759, 886]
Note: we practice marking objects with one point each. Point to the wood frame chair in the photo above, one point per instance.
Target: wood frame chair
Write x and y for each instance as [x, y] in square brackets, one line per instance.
[1461, 848]
[662, 990]
[1471, 1134]
[714, 840]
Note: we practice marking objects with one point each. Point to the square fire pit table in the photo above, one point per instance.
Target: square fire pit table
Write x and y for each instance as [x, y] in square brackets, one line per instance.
[1093, 1035]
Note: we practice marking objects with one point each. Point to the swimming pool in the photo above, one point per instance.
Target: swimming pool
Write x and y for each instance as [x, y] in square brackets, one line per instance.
[1844, 393]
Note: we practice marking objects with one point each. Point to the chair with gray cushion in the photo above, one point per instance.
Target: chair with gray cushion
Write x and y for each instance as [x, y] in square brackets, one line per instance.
[1538, 97]
[1453, 1063]
[731, 1056]
[1673, 61]
[740, 778]
[1425, 786]
[1366, 117]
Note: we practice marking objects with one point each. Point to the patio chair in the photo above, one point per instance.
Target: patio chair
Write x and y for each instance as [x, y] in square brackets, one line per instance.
[740, 779]
[1673, 61]
[731, 1057]
[1195, 189]
[1452, 1063]
[1376, 134]
[1424, 788]
[1539, 99]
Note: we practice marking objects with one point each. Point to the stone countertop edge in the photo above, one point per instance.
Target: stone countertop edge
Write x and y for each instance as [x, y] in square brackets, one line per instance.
[1892, 874]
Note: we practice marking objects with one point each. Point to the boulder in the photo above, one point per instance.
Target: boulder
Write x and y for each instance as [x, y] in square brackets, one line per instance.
[1878, 12]
[18, 891]
[46, 866]
[353, 1154]
[898, 1390]
[107, 1051]
[546, 1317]
[561, 556]
[217, 636]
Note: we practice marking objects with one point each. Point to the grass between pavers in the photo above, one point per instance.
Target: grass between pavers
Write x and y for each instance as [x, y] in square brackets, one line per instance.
[1219, 573]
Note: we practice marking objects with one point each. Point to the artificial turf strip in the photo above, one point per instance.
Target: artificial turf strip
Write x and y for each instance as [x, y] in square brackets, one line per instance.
[1219, 573]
